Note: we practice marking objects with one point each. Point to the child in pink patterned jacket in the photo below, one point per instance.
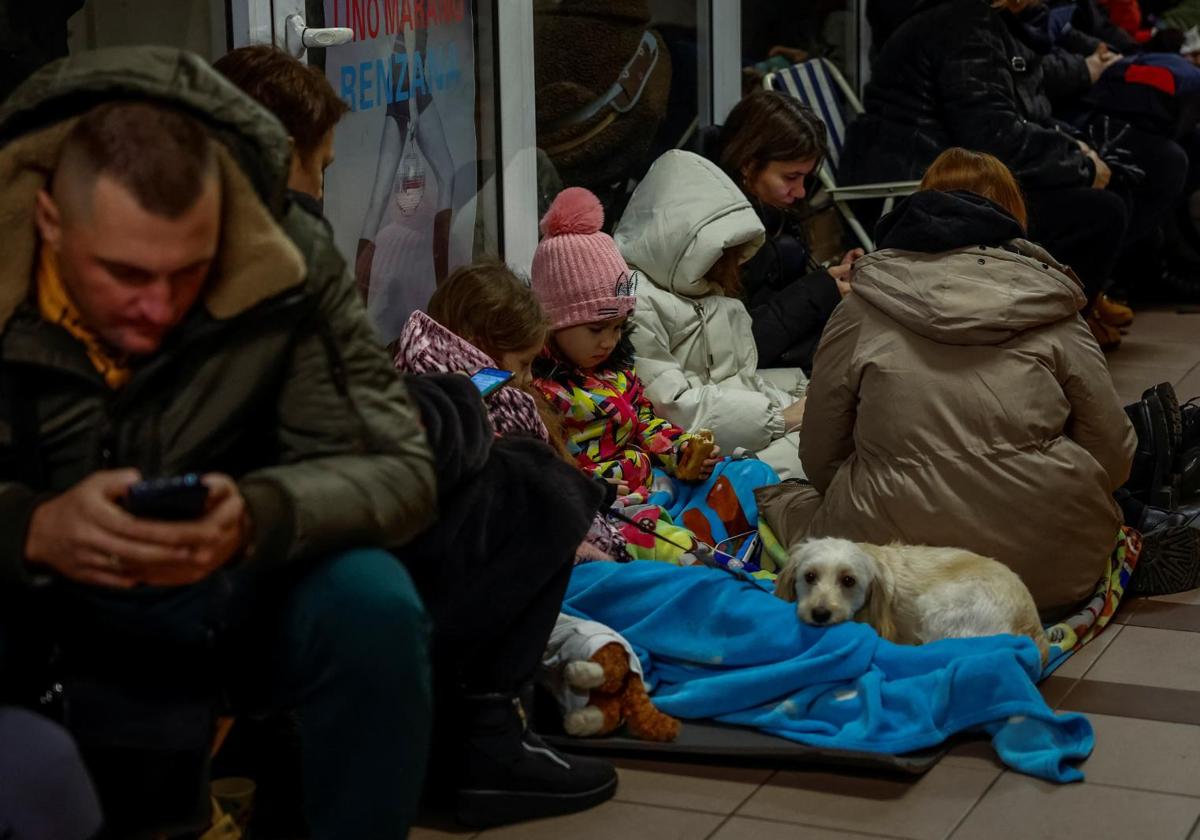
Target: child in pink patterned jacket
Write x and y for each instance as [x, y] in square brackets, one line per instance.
[587, 373]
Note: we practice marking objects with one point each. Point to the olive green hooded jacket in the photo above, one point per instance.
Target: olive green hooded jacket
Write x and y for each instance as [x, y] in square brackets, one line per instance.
[276, 377]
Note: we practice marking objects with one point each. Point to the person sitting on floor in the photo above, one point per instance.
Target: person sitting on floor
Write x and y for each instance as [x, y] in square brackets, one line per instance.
[484, 316]
[493, 591]
[302, 99]
[588, 377]
[587, 374]
[772, 146]
[159, 316]
[958, 398]
[687, 230]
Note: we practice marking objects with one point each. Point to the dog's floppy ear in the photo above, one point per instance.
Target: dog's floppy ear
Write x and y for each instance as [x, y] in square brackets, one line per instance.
[785, 584]
[877, 611]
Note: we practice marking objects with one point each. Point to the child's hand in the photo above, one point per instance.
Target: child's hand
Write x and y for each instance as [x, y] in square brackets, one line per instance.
[710, 463]
[621, 484]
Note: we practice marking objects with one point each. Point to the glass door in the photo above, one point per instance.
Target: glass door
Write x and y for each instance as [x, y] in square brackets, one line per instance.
[412, 193]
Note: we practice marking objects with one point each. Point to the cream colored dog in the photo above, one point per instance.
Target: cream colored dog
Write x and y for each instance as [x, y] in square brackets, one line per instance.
[909, 594]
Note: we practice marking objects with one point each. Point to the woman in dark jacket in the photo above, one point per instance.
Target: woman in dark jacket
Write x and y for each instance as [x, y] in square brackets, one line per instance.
[958, 73]
[771, 146]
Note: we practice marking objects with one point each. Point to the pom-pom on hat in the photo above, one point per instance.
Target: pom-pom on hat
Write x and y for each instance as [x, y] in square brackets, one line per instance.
[578, 274]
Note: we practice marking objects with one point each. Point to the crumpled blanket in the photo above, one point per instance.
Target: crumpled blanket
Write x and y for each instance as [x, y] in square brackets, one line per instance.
[717, 646]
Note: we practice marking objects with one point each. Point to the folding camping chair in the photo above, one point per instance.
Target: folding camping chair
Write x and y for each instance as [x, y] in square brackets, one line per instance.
[818, 85]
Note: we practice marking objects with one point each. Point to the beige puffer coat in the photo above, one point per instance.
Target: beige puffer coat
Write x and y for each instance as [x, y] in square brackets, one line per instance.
[958, 399]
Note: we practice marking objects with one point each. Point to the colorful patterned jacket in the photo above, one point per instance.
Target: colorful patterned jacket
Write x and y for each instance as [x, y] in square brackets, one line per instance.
[426, 346]
[611, 427]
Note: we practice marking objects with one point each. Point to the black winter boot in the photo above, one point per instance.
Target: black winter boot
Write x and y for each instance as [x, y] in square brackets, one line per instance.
[1189, 416]
[1151, 480]
[508, 774]
[1170, 559]
[1187, 462]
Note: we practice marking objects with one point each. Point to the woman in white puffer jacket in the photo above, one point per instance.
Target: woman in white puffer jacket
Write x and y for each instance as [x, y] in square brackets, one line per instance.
[686, 230]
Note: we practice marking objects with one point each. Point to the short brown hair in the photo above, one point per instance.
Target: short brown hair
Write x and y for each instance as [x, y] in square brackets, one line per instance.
[767, 126]
[489, 306]
[298, 95]
[161, 155]
[979, 173]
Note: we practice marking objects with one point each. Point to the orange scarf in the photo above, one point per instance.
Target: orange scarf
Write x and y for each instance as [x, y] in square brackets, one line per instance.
[56, 306]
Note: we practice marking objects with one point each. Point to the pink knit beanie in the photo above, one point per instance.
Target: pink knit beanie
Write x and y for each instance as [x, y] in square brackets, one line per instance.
[578, 274]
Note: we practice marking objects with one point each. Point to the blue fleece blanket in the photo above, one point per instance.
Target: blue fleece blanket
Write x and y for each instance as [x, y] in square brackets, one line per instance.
[716, 646]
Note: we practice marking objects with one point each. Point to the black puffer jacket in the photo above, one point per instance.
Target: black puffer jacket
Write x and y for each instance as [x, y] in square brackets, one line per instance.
[953, 74]
[788, 295]
[789, 298]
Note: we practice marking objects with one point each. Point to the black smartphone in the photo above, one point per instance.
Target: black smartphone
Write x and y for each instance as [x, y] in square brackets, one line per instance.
[175, 499]
[489, 380]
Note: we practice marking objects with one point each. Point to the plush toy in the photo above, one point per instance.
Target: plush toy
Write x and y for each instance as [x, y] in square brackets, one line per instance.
[597, 680]
[617, 696]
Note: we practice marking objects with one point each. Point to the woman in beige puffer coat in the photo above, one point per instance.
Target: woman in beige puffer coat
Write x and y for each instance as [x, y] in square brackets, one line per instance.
[958, 399]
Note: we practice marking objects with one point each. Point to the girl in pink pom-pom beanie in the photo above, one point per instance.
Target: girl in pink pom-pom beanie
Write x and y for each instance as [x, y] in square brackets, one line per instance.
[587, 372]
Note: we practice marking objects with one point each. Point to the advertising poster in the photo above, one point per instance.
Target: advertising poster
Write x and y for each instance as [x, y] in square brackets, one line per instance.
[404, 171]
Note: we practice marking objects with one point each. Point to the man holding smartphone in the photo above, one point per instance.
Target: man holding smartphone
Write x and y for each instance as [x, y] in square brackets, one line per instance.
[163, 313]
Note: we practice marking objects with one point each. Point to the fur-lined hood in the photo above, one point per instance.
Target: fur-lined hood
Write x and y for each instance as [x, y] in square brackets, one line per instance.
[256, 260]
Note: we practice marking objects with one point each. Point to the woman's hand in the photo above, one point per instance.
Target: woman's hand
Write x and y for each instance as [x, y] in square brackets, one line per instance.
[793, 416]
[1100, 60]
[841, 276]
[841, 272]
[1103, 173]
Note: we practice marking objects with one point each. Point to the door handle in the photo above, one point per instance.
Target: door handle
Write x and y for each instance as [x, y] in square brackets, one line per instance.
[299, 37]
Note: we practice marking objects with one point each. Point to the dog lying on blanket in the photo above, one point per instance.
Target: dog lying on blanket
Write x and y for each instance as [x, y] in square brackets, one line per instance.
[909, 594]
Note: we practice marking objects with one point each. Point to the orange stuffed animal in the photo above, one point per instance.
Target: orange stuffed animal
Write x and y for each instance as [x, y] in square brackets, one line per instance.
[617, 695]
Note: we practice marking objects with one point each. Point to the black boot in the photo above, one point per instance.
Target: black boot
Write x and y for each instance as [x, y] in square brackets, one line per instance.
[1189, 416]
[508, 774]
[1170, 558]
[1187, 462]
[1151, 480]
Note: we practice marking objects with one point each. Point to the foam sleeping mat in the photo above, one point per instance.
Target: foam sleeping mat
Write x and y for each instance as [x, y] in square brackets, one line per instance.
[707, 739]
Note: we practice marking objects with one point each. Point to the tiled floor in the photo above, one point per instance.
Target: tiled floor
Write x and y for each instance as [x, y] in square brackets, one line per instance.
[1139, 683]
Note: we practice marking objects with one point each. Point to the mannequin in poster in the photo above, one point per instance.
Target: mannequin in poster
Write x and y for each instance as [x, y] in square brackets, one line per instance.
[404, 247]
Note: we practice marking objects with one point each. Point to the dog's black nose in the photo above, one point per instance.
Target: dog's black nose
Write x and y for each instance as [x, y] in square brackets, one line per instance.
[820, 615]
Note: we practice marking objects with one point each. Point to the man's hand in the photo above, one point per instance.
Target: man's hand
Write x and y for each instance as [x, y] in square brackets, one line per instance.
[86, 536]
[209, 542]
[710, 463]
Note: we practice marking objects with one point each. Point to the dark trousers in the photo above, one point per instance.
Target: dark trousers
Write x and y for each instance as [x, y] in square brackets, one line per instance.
[1150, 202]
[1093, 230]
[1081, 228]
[344, 644]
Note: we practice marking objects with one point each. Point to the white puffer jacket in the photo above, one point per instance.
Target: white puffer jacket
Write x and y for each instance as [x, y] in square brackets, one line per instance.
[695, 349]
